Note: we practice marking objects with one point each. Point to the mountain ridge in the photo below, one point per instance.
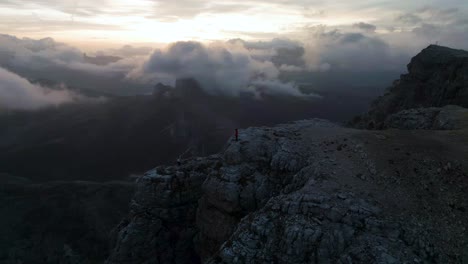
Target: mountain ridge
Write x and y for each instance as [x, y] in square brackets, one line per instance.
[437, 76]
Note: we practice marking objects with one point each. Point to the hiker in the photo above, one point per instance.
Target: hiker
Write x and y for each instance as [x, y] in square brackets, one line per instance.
[179, 159]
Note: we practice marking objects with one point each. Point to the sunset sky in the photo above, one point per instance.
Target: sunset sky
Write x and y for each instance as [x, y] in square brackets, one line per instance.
[229, 47]
[107, 22]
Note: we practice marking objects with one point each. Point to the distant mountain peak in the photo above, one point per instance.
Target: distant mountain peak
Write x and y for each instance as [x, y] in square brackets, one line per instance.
[443, 51]
[437, 76]
[101, 60]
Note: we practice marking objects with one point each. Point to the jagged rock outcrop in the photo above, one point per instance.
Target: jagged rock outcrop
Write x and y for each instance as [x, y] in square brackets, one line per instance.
[215, 193]
[59, 222]
[161, 226]
[437, 76]
[315, 226]
[446, 118]
[306, 192]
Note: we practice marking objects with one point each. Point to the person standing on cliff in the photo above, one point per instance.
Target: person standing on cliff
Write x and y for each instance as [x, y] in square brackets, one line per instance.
[236, 134]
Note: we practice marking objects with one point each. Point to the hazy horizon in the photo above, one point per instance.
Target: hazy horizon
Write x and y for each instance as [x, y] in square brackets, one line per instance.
[103, 23]
[272, 46]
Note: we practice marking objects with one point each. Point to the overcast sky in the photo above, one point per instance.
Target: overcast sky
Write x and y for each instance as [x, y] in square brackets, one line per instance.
[251, 43]
[155, 21]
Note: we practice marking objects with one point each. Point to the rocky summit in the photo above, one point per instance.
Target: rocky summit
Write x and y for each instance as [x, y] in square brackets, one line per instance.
[438, 76]
[306, 192]
[316, 192]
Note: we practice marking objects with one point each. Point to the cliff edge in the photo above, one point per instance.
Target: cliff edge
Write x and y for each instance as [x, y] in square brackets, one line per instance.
[306, 192]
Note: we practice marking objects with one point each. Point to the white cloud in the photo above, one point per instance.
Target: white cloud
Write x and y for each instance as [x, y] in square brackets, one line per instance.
[35, 54]
[225, 68]
[365, 27]
[18, 93]
[290, 68]
[59, 62]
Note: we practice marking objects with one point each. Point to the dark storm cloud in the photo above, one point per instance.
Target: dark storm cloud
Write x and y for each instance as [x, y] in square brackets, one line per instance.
[365, 26]
[409, 19]
[351, 38]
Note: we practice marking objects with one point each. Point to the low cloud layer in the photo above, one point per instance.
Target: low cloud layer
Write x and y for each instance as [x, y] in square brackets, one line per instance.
[17, 93]
[337, 50]
[32, 55]
[227, 68]
[365, 27]
[59, 62]
[126, 51]
[237, 66]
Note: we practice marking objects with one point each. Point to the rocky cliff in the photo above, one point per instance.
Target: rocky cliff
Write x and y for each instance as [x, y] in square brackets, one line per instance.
[315, 192]
[449, 117]
[306, 192]
[438, 76]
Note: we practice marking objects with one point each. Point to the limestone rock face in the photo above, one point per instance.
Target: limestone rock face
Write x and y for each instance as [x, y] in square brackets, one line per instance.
[437, 76]
[305, 192]
[315, 226]
[449, 117]
[255, 169]
[161, 226]
[183, 214]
